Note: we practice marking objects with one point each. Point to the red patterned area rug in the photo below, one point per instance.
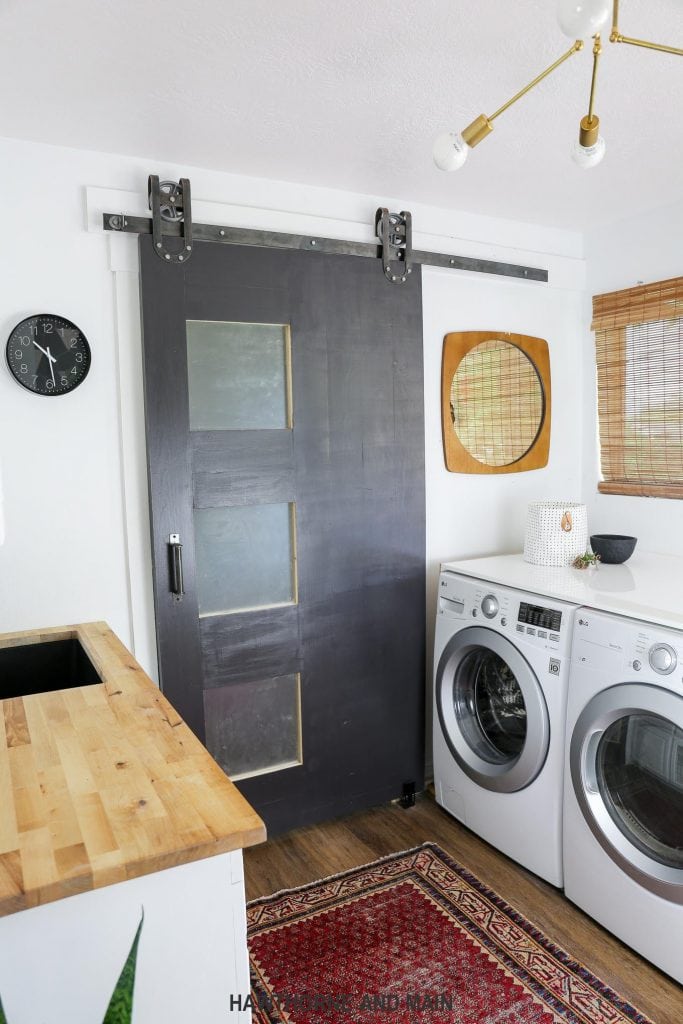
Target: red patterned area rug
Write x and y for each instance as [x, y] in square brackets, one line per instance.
[414, 939]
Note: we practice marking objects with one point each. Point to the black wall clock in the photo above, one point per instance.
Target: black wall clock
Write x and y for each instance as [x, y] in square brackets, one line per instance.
[48, 354]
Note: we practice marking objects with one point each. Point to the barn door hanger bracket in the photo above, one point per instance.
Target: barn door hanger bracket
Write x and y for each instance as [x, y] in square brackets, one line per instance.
[171, 203]
[395, 233]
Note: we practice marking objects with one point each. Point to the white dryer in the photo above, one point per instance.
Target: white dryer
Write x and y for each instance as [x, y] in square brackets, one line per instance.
[623, 817]
[501, 666]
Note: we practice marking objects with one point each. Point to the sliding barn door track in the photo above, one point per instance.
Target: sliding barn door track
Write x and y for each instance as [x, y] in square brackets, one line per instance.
[174, 234]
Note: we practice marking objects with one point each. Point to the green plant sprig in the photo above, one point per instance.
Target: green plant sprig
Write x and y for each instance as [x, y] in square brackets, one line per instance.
[586, 560]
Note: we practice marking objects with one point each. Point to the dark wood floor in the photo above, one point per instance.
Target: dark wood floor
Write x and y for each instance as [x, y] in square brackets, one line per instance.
[311, 853]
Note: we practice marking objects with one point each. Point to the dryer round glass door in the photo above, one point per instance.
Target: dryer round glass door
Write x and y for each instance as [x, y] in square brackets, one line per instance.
[627, 770]
[492, 710]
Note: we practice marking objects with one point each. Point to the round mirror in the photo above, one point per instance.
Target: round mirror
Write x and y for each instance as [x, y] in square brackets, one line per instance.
[497, 403]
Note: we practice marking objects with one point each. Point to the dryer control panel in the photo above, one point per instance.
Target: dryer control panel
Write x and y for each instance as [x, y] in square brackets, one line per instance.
[641, 650]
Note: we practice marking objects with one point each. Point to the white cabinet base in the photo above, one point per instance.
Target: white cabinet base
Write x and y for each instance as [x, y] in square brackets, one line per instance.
[59, 963]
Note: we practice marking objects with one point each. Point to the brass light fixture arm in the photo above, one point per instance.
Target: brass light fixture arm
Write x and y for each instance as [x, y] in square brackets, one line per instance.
[578, 45]
[617, 37]
[597, 50]
[483, 125]
[590, 124]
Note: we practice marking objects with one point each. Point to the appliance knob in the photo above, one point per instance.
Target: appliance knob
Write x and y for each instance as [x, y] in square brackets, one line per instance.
[662, 659]
[490, 606]
[637, 665]
[503, 621]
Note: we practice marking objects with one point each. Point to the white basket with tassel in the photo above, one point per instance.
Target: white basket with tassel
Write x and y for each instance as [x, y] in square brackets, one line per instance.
[556, 532]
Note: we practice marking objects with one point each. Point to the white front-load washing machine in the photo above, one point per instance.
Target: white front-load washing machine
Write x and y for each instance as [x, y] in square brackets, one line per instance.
[501, 665]
[623, 806]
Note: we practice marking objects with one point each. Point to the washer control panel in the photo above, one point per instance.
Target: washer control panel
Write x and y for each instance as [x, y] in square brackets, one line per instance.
[543, 618]
[501, 609]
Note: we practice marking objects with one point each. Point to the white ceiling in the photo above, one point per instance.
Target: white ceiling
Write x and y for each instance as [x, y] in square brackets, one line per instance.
[350, 93]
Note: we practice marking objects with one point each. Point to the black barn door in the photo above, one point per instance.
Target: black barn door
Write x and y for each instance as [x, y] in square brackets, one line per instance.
[285, 438]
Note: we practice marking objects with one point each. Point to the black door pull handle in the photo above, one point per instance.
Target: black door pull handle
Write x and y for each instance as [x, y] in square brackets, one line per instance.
[175, 553]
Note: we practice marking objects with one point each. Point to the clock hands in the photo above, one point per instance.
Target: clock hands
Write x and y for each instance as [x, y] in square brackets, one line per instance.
[45, 351]
[51, 359]
[40, 348]
[52, 369]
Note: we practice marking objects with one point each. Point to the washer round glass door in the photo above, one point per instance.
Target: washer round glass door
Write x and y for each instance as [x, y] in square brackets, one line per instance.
[492, 710]
[626, 760]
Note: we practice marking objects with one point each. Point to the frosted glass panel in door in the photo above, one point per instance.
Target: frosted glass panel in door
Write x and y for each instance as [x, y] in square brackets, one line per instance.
[255, 727]
[246, 557]
[238, 376]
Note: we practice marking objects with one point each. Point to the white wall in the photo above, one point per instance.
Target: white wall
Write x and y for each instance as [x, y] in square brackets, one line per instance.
[74, 476]
[468, 516]
[64, 556]
[633, 251]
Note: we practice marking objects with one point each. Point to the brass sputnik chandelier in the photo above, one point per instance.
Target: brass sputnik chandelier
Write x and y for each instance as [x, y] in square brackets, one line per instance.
[580, 20]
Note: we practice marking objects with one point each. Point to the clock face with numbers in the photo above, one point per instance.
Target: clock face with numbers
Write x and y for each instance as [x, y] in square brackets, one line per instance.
[48, 355]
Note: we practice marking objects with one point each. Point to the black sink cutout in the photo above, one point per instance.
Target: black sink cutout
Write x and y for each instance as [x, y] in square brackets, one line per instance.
[45, 667]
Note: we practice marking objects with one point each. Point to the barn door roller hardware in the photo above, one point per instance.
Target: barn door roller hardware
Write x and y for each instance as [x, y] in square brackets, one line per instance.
[171, 203]
[172, 219]
[395, 233]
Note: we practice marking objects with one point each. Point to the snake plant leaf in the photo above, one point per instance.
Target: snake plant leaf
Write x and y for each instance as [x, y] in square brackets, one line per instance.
[120, 1009]
[3, 1018]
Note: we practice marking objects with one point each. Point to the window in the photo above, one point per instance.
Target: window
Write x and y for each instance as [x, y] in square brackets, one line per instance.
[639, 353]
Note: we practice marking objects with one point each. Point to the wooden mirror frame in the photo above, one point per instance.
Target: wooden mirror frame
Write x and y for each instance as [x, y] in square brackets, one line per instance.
[455, 347]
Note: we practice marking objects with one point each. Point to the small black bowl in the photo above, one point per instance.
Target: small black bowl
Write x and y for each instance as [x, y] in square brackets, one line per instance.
[613, 548]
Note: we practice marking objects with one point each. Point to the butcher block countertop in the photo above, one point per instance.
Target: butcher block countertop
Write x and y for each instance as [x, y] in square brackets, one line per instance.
[103, 783]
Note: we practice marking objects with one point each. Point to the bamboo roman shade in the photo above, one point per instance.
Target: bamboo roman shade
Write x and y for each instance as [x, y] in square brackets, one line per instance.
[639, 353]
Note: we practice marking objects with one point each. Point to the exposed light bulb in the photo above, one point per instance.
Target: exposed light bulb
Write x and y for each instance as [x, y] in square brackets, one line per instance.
[450, 151]
[588, 156]
[580, 19]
